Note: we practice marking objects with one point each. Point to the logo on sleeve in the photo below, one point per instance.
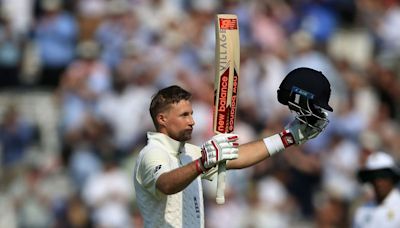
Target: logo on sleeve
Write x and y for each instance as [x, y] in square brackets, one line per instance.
[157, 168]
[196, 207]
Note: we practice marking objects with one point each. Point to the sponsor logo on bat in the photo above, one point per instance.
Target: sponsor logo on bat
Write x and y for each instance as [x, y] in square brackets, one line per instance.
[232, 112]
[228, 24]
[222, 108]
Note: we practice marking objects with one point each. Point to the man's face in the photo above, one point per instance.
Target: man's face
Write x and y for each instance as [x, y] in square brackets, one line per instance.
[178, 121]
[382, 187]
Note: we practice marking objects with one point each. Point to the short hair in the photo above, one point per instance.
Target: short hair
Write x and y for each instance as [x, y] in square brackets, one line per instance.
[162, 100]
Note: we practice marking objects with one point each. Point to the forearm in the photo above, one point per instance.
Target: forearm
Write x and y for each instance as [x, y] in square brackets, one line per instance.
[178, 179]
[249, 154]
[254, 152]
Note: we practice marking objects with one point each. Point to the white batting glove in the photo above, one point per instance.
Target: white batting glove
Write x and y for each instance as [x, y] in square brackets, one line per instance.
[302, 132]
[219, 148]
[296, 132]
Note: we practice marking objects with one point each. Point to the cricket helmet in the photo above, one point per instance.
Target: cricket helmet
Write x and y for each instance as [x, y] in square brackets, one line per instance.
[379, 165]
[306, 92]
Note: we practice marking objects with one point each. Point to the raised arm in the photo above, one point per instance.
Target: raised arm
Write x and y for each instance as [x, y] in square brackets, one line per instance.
[295, 133]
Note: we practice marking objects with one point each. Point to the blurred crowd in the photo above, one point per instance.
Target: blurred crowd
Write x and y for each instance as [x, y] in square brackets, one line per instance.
[77, 77]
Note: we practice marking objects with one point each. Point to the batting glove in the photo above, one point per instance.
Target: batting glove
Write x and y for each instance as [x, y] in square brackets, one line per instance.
[296, 132]
[219, 148]
[302, 132]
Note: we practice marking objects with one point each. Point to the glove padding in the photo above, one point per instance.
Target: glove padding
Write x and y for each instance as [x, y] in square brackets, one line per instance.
[302, 132]
[219, 148]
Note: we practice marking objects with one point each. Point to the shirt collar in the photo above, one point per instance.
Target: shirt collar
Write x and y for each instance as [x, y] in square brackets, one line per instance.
[391, 197]
[173, 146]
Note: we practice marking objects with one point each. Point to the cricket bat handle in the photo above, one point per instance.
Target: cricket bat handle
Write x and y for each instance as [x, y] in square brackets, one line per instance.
[221, 183]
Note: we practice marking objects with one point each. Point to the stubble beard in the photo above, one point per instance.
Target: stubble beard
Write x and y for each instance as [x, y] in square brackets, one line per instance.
[185, 135]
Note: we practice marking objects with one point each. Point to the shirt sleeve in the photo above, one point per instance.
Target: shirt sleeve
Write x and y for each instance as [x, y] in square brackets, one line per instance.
[153, 164]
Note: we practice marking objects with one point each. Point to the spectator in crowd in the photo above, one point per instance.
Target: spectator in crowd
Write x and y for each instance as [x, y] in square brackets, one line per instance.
[133, 83]
[20, 13]
[331, 211]
[389, 48]
[119, 26]
[85, 80]
[319, 19]
[90, 14]
[270, 202]
[108, 195]
[55, 35]
[338, 168]
[10, 52]
[84, 136]
[382, 210]
[16, 135]
[84, 148]
[77, 213]
[32, 204]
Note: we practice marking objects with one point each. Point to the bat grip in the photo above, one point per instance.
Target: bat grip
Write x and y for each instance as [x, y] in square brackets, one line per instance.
[221, 183]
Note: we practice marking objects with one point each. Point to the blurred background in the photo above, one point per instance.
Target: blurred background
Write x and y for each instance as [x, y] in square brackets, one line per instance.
[77, 76]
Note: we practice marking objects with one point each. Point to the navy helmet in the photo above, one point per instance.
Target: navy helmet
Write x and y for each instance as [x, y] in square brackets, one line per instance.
[307, 92]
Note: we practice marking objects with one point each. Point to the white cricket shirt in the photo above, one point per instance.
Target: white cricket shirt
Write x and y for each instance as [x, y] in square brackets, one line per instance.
[183, 209]
[385, 215]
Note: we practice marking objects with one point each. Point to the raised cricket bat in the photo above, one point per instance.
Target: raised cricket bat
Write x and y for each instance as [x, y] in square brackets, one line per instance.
[227, 59]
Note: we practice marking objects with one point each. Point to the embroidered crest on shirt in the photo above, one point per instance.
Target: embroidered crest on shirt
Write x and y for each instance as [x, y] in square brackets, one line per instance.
[157, 168]
[390, 215]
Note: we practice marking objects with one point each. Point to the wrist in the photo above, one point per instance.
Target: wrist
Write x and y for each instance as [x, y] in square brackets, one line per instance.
[200, 167]
[274, 144]
[278, 142]
[287, 138]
